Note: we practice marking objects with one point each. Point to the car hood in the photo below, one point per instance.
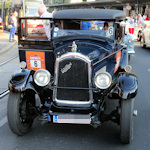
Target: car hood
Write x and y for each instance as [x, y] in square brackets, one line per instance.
[90, 48]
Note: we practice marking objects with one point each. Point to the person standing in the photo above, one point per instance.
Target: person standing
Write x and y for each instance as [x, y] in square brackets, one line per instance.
[11, 22]
[46, 23]
[147, 18]
[86, 25]
[140, 20]
[144, 16]
[15, 25]
[141, 23]
[131, 25]
[0, 19]
[135, 18]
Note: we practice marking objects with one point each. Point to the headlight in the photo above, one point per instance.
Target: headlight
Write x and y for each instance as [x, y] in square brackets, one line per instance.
[42, 77]
[128, 68]
[130, 40]
[103, 80]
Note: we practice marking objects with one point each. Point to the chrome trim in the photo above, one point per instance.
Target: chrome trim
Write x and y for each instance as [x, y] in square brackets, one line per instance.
[39, 50]
[56, 75]
[73, 55]
[42, 70]
[131, 51]
[108, 56]
[103, 72]
[72, 103]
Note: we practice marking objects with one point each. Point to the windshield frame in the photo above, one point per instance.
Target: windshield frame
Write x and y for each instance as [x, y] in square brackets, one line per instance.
[77, 33]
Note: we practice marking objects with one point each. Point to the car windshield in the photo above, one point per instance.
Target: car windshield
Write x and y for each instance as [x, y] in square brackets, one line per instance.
[64, 28]
[32, 12]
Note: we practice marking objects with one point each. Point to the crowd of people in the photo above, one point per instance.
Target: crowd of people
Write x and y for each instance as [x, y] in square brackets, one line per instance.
[42, 11]
[139, 19]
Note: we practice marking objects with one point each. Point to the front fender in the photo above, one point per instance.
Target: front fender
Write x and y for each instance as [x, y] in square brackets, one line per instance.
[20, 81]
[127, 86]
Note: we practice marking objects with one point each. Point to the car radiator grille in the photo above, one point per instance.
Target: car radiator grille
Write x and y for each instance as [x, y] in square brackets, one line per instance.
[73, 73]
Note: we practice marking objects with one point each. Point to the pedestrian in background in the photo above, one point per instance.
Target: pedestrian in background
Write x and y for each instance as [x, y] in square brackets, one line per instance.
[147, 18]
[135, 18]
[86, 25]
[46, 23]
[131, 25]
[15, 25]
[54, 11]
[144, 16]
[0, 19]
[140, 21]
[11, 26]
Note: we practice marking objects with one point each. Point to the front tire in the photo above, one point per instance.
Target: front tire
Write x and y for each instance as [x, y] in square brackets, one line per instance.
[139, 36]
[17, 114]
[142, 43]
[126, 120]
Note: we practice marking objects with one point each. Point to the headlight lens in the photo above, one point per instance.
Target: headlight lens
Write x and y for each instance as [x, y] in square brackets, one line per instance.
[103, 80]
[128, 68]
[42, 77]
[130, 40]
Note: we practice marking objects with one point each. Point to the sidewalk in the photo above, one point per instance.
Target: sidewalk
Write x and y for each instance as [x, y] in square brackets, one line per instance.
[4, 42]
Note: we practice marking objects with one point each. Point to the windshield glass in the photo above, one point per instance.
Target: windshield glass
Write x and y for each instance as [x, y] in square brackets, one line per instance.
[32, 12]
[98, 28]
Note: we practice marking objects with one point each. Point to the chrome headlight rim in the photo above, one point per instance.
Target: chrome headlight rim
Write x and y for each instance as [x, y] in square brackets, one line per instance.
[130, 41]
[104, 73]
[42, 71]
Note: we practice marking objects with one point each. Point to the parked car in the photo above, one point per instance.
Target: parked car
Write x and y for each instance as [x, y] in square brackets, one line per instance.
[68, 79]
[145, 35]
[129, 41]
[139, 30]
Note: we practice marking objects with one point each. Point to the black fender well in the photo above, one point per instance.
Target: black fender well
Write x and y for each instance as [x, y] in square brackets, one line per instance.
[20, 81]
[127, 86]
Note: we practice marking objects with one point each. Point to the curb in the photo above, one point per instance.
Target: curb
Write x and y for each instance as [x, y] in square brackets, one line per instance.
[8, 47]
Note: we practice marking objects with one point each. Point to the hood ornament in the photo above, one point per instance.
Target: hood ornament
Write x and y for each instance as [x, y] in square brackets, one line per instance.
[74, 47]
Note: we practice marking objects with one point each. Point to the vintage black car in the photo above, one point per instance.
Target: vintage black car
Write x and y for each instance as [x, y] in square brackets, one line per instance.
[69, 78]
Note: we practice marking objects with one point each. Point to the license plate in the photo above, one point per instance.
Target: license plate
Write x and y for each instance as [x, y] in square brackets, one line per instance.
[72, 119]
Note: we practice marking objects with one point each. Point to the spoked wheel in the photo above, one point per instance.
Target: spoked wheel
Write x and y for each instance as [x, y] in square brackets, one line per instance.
[142, 43]
[126, 120]
[18, 113]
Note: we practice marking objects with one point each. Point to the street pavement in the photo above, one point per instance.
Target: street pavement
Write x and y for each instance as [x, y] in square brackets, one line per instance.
[9, 62]
[5, 45]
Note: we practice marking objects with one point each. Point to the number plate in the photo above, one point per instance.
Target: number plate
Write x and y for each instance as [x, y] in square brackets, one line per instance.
[72, 119]
[35, 60]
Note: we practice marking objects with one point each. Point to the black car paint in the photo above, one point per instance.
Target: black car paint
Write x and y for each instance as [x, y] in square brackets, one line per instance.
[103, 56]
[128, 86]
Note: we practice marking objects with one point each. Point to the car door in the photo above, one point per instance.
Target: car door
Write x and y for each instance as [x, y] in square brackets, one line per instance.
[147, 33]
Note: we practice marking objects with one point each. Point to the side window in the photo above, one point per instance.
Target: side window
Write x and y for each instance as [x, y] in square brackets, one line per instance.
[34, 29]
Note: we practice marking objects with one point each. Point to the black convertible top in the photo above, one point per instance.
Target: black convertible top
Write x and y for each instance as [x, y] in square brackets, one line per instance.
[105, 14]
